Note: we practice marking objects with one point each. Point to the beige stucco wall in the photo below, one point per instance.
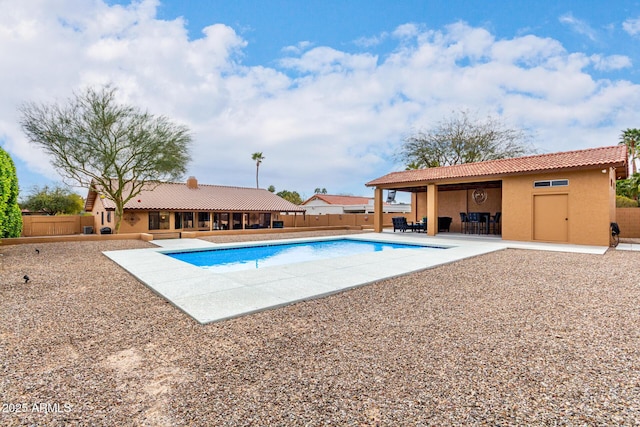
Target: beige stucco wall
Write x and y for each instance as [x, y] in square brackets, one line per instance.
[101, 217]
[138, 222]
[589, 205]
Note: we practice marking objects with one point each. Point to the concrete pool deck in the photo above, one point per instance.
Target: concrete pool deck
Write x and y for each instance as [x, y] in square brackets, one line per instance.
[209, 297]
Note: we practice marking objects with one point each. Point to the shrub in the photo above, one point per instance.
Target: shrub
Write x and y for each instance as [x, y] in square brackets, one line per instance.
[10, 215]
[625, 202]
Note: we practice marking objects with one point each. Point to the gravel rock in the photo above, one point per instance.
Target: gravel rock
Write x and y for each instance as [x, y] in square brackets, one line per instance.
[510, 338]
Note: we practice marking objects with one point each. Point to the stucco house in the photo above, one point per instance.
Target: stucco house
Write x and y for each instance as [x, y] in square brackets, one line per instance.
[559, 197]
[190, 206]
[323, 204]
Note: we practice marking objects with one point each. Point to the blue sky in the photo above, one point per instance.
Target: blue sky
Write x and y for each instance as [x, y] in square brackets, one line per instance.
[325, 89]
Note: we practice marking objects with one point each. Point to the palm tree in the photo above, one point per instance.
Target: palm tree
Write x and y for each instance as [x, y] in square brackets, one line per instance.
[258, 157]
[412, 166]
[631, 138]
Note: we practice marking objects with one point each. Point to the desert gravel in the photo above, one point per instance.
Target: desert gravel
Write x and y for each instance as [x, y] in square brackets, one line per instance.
[510, 338]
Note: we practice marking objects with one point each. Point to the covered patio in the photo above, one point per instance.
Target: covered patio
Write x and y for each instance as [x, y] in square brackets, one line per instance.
[467, 208]
[566, 197]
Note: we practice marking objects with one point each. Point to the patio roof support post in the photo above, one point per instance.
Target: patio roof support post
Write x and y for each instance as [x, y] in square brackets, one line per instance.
[377, 210]
[432, 209]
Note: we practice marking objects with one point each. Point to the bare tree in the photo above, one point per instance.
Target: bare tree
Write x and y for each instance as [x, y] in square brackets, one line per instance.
[116, 149]
[462, 139]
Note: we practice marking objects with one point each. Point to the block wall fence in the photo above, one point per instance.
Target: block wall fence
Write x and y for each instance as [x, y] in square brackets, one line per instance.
[627, 218]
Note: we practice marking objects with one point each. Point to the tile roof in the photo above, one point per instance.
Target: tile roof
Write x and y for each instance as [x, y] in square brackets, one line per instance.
[339, 200]
[177, 196]
[614, 156]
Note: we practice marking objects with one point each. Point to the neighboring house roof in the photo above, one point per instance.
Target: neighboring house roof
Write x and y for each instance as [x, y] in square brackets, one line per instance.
[339, 200]
[178, 196]
[614, 156]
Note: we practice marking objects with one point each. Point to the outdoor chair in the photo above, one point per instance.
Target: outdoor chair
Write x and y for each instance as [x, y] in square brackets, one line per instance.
[464, 222]
[495, 222]
[444, 223]
[420, 226]
[474, 222]
[400, 223]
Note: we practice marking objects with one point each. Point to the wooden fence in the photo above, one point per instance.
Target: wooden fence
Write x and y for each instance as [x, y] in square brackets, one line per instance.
[40, 225]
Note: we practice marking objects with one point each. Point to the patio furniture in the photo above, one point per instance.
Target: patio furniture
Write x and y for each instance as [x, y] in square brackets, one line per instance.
[479, 222]
[419, 226]
[444, 223]
[495, 222]
[400, 223]
[473, 222]
[464, 222]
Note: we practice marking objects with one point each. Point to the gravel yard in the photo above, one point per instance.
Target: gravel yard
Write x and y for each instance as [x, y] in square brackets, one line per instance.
[511, 338]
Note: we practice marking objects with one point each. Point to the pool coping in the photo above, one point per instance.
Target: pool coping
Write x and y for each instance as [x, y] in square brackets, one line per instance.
[211, 297]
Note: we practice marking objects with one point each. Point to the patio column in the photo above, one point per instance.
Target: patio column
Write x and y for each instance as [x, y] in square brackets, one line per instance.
[432, 209]
[377, 210]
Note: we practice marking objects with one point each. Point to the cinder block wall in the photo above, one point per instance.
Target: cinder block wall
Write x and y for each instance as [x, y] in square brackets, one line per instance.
[628, 220]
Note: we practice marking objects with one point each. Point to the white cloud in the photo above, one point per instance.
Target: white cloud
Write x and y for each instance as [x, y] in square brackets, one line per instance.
[298, 48]
[323, 117]
[366, 42]
[579, 26]
[632, 26]
[406, 31]
[610, 63]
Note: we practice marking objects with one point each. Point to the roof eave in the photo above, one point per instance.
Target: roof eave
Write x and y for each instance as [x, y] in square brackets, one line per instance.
[618, 166]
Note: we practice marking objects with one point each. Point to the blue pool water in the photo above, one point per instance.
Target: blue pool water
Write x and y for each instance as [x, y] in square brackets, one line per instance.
[252, 257]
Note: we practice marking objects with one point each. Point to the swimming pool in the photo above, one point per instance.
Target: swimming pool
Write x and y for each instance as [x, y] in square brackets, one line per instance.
[268, 255]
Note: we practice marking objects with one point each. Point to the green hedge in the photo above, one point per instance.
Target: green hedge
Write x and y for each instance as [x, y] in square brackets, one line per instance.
[10, 215]
[625, 202]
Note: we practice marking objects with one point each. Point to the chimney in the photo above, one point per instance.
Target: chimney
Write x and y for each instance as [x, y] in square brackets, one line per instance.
[192, 183]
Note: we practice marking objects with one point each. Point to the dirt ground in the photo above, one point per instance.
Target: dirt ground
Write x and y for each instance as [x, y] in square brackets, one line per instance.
[511, 338]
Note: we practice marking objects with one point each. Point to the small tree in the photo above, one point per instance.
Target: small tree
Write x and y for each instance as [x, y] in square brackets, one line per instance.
[320, 191]
[10, 214]
[462, 139]
[291, 196]
[258, 158]
[629, 187]
[115, 149]
[53, 201]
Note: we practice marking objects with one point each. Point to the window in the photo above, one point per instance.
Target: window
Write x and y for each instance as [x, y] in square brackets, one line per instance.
[158, 220]
[221, 221]
[184, 220]
[551, 183]
[203, 219]
[237, 220]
